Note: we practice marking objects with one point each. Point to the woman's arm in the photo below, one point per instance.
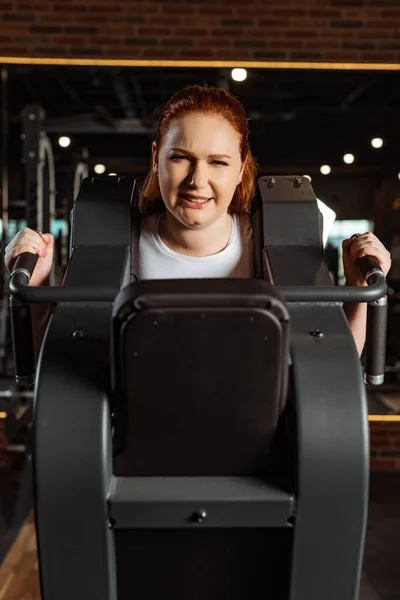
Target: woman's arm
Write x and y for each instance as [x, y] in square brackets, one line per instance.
[366, 244]
[42, 244]
[357, 317]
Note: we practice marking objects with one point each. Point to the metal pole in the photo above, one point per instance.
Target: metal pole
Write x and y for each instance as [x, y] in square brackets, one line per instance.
[4, 152]
[4, 316]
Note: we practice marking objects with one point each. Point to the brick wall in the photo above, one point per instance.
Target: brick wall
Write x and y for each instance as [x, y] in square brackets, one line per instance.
[385, 445]
[296, 30]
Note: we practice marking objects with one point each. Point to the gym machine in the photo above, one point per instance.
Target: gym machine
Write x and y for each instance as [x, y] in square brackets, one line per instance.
[200, 438]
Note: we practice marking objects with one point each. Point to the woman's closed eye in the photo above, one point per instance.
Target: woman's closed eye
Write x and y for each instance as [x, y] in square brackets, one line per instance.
[179, 157]
[176, 157]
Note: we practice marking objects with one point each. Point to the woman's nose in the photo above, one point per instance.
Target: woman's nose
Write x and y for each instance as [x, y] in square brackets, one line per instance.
[198, 176]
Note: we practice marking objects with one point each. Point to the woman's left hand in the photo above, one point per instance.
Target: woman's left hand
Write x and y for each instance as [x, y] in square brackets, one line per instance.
[366, 244]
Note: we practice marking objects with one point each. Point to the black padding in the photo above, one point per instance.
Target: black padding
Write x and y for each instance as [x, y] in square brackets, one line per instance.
[199, 376]
[102, 212]
[232, 564]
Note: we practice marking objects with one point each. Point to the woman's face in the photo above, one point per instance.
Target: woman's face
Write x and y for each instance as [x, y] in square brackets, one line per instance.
[199, 167]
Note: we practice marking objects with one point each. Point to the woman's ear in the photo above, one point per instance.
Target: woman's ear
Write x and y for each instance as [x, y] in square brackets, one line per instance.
[154, 157]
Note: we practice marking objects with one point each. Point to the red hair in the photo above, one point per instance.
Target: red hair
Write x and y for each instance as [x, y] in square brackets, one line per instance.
[210, 101]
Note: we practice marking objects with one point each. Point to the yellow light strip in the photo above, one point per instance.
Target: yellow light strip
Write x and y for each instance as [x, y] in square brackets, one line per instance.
[378, 418]
[247, 64]
[384, 418]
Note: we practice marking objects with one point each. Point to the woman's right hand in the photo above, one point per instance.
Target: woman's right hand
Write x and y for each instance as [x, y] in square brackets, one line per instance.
[28, 240]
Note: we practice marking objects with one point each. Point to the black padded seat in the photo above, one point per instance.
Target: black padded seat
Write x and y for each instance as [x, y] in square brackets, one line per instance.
[200, 372]
[199, 375]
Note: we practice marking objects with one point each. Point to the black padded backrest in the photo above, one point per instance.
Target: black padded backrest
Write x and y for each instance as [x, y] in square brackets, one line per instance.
[102, 212]
[199, 372]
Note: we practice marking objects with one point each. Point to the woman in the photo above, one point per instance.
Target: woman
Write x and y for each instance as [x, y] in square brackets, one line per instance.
[196, 199]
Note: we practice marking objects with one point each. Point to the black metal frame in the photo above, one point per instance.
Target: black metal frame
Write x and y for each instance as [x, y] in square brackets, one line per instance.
[79, 503]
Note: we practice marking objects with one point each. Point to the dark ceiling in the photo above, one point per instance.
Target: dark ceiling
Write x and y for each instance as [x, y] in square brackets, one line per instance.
[297, 117]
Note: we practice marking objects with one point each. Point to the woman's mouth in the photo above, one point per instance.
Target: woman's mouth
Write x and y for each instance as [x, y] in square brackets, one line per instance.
[194, 201]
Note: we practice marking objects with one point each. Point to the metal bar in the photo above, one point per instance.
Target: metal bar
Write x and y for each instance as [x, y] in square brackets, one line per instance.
[335, 294]
[31, 124]
[46, 190]
[4, 316]
[4, 161]
[81, 172]
[291, 294]
[122, 92]
[206, 502]
[375, 350]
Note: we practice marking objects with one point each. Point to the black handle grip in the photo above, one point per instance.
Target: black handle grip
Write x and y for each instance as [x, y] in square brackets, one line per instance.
[22, 340]
[21, 322]
[25, 265]
[369, 266]
[375, 344]
[375, 350]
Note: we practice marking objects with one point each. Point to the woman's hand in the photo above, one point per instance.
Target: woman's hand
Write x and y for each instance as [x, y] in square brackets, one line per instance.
[28, 240]
[366, 244]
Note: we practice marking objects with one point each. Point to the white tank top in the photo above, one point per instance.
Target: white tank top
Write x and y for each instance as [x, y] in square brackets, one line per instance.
[157, 261]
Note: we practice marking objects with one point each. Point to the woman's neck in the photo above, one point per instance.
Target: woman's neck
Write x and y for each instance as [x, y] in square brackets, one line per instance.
[195, 242]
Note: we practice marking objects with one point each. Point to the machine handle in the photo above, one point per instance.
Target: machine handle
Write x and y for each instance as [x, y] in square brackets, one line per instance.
[21, 322]
[369, 266]
[375, 344]
[22, 271]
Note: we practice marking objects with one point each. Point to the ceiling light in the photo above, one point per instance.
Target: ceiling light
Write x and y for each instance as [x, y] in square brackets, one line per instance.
[99, 169]
[348, 158]
[308, 177]
[325, 169]
[64, 141]
[239, 74]
[377, 143]
[112, 174]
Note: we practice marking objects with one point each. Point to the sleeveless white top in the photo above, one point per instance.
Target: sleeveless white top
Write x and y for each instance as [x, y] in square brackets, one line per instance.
[157, 261]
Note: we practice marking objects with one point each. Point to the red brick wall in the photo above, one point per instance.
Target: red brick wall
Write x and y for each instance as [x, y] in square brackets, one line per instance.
[296, 30]
[385, 445]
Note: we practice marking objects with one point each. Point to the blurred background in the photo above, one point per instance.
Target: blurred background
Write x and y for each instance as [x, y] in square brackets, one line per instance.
[82, 86]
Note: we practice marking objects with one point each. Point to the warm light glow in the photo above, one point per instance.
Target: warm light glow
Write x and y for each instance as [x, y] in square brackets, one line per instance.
[64, 141]
[3, 415]
[348, 158]
[239, 74]
[398, 175]
[99, 169]
[377, 143]
[308, 177]
[112, 174]
[325, 169]
[220, 64]
[383, 418]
